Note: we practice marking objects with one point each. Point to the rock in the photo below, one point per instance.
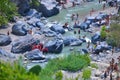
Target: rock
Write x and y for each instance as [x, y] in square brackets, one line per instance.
[4, 53]
[19, 28]
[34, 13]
[4, 40]
[72, 41]
[84, 26]
[23, 7]
[97, 73]
[49, 33]
[35, 54]
[47, 13]
[24, 44]
[40, 24]
[85, 51]
[57, 28]
[54, 46]
[95, 38]
[76, 43]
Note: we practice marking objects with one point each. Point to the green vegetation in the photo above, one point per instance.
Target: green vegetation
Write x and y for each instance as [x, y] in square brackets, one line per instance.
[73, 62]
[15, 72]
[35, 3]
[94, 65]
[86, 74]
[58, 75]
[103, 33]
[7, 11]
[35, 70]
[114, 35]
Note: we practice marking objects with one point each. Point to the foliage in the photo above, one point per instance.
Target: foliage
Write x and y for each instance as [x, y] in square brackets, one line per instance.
[72, 62]
[94, 65]
[103, 33]
[114, 35]
[35, 70]
[35, 3]
[14, 71]
[7, 11]
[58, 75]
[86, 74]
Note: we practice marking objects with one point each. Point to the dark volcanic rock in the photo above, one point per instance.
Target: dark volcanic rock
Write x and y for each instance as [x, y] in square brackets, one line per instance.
[54, 46]
[22, 45]
[35, 54]
[4, 40]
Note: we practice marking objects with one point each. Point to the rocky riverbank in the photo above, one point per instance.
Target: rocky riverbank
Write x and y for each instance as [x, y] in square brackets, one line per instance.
[24, 35]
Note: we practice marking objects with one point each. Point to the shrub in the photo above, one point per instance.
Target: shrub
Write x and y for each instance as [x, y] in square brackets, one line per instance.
[86, 74]
[35, 70]
[14, 72]
[103, 33]
[114, 35]
[58, 75]
[94, 65]
[72, 62]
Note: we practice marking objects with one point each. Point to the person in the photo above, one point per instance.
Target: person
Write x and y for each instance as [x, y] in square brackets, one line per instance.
[104, 6]
[88, 44]
[74, 32]
[65, 25]
[77, 16]
[72, 17]
[116, 67]
[111, 77]
[105, 75]
[113, 50]
[8, 33]
[79, 31]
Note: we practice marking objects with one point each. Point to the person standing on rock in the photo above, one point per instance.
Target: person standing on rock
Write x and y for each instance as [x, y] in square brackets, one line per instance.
[105, 75]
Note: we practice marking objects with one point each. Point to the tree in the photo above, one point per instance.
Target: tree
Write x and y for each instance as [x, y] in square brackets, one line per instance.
[7, 11]
[114, 35]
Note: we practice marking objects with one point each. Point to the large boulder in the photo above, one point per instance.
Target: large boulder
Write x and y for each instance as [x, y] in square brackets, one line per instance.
[72, 41]
[47, 13]
[54, 46]
[57, 28]
[23, 6]
[24, 44]
[35, 54]
[19, 28]
[4, 40]
[95, 38]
